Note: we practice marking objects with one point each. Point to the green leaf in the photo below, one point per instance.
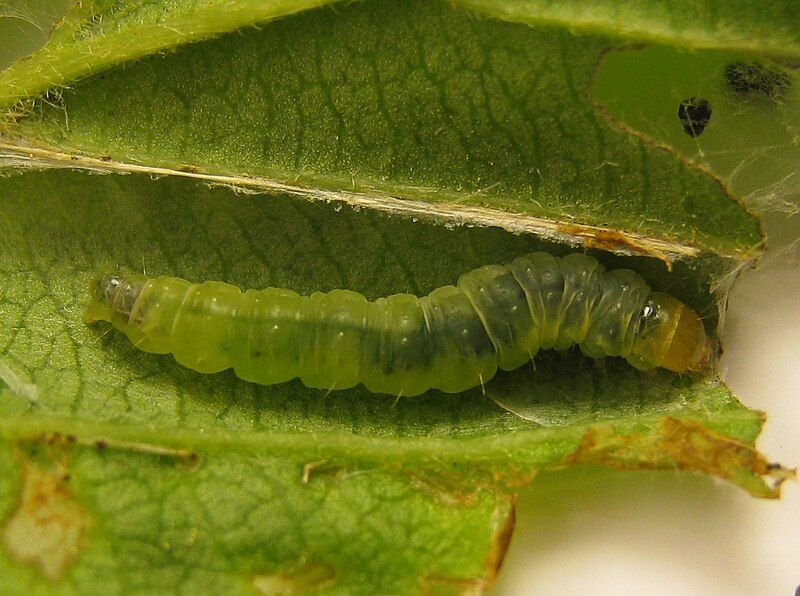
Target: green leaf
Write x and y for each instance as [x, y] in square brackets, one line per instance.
[122, 518]
[202, 475]
[751, 141]
[404, 106]
[144, 474]
[764, 27]
[25, 27]
[96, 34]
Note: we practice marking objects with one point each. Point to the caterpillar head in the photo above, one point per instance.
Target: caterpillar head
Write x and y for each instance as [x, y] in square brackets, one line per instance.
[670, 335]
[112, 298]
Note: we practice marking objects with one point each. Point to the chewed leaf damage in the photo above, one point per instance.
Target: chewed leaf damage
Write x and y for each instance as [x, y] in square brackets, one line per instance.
[48, 527]
[680, 444]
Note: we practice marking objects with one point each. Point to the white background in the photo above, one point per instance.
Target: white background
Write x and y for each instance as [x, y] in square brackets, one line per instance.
[664, 533]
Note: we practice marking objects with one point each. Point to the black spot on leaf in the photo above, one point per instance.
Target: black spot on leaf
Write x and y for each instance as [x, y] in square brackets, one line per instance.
[752, 78]
[694, 114]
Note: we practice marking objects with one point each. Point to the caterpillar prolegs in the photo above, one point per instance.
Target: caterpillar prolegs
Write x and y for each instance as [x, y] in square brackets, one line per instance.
[455, 338]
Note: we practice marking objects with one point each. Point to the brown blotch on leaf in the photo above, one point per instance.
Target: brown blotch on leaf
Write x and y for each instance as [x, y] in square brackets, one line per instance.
[434, 585]
[447, 491]
[503, 522]
[504, 519]
[49, 525]
[181, 456]
[322, 468]
[679, 444]
[300, 579]
[461, 487]
[614, 241]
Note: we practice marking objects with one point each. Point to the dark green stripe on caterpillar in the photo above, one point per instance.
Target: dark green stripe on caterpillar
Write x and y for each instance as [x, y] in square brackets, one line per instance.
[455, 338]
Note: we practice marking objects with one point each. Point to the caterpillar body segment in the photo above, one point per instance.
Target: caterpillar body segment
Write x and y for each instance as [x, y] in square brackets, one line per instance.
[455, 338]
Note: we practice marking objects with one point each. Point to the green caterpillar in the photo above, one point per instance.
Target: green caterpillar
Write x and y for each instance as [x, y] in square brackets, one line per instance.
[455, 338]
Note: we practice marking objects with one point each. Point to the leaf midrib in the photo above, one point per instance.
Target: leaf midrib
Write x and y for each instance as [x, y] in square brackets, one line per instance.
[567, 232]
[489, 449]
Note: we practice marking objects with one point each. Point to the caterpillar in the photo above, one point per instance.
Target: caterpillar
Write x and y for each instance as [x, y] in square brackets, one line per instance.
[453, 339]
